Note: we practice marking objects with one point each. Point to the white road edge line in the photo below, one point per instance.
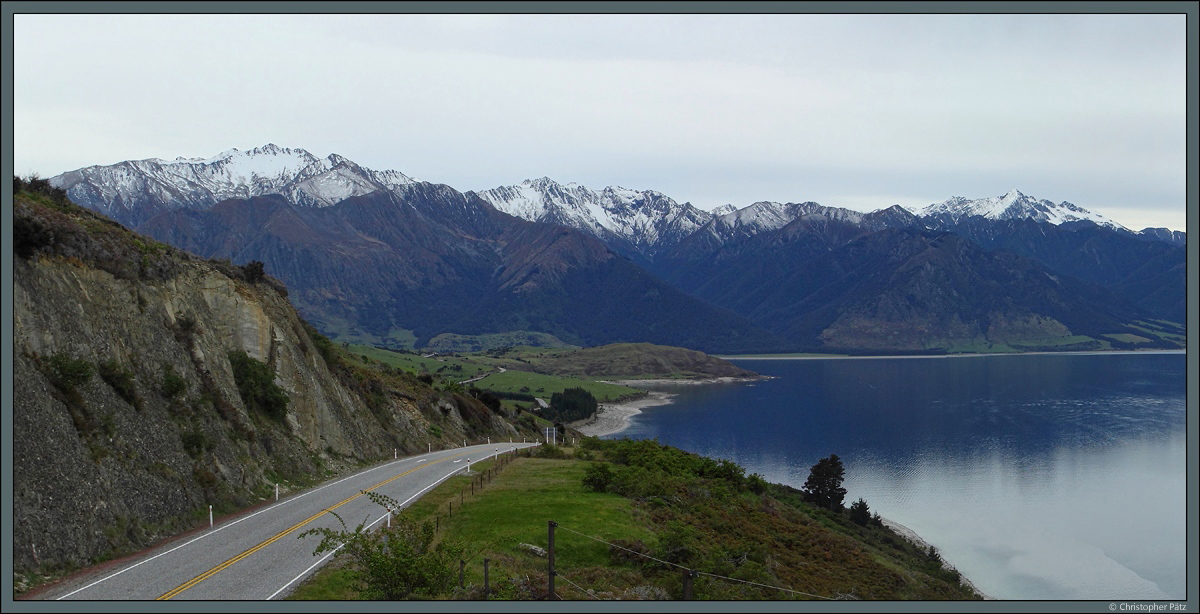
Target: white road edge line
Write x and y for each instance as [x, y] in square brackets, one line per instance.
[225, 526]
[322, 560]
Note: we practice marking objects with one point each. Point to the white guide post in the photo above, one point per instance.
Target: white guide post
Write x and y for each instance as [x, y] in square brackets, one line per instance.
[210, 520]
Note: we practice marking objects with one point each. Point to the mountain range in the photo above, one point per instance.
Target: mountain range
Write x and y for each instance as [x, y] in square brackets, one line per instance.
[381, 255]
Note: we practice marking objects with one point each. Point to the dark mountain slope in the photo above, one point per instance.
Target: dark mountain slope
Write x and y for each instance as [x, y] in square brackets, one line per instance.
[432, 260]
[1136, 269]
[823, 284]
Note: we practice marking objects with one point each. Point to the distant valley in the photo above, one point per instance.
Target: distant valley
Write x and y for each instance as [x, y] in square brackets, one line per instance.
[386, 259]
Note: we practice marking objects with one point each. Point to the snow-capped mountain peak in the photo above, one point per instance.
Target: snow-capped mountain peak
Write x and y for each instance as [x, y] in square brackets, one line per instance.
[642, 220]
[134, 190]
[1014, 205]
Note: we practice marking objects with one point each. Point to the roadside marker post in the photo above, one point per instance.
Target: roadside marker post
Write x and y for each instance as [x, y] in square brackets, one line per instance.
[277, 492]
[210, 518]
[550, 562]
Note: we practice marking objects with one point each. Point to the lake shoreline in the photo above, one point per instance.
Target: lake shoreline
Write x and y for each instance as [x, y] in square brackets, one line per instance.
[976, 355]
[913, 537]
[612, 418]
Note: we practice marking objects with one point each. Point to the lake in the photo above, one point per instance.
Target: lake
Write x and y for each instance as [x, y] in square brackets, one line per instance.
[1037, 476]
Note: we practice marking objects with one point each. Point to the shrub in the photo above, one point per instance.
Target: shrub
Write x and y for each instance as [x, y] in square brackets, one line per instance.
[121, 381]
[29, 236]
[194, 442]
[860, 512]
[256, 384]
[173, 385]
[253, 271]
[324, 346]
[597, 477]
[65, 373]
[184, 328]
[549, 451]
[394, 563]
[486, 397]
[591, 443]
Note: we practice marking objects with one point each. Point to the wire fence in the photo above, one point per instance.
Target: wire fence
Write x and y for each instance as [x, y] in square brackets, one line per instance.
[591, 594]
[682, 567]
[588, 592]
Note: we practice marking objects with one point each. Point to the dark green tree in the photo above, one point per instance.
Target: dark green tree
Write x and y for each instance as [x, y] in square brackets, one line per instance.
[824, 485]
[570, 405]
[860, 512]
[253, 271]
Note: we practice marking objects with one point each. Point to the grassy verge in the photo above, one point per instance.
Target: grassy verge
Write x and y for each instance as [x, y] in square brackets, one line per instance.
[546, 385]
[513, 508]
[664, 509]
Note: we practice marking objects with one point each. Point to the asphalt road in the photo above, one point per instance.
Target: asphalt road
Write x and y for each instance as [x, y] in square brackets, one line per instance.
[258, 555]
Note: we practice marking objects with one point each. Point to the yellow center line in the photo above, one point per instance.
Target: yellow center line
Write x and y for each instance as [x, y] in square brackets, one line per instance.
[215, 570]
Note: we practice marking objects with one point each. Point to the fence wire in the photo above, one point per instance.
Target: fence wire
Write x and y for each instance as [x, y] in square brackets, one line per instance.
[558, 574]
[778, 588]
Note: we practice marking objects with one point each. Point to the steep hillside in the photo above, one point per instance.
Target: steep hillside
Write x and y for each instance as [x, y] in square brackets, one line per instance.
[1147, 273]
[827, 285]
[149, 384]
[432, 260]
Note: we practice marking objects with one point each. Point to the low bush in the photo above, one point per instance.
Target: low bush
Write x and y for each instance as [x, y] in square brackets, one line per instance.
[173, 385]
[121, 380]
[65, 373]
[256, 385]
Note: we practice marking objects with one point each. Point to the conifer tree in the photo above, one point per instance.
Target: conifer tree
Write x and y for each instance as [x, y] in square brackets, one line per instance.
[824, 484]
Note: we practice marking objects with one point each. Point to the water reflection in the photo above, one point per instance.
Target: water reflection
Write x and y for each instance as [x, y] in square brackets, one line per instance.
[1040, 477]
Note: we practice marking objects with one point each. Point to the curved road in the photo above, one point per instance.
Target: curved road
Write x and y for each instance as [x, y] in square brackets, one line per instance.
[258, 556]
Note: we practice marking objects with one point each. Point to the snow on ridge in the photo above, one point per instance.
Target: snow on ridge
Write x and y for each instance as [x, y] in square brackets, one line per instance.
[294, 173]
[643, 218]
[1015, 205]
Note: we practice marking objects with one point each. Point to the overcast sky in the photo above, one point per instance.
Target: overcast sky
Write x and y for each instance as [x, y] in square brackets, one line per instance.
[853, 111]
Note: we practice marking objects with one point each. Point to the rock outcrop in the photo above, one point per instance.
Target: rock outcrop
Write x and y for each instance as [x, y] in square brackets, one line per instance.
[128, 419]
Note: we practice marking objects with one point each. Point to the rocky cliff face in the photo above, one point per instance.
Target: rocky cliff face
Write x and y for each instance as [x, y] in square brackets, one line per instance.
[128, 418]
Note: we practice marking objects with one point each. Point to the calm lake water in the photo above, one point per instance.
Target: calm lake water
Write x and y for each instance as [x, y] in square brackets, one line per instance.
[1037, 476]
